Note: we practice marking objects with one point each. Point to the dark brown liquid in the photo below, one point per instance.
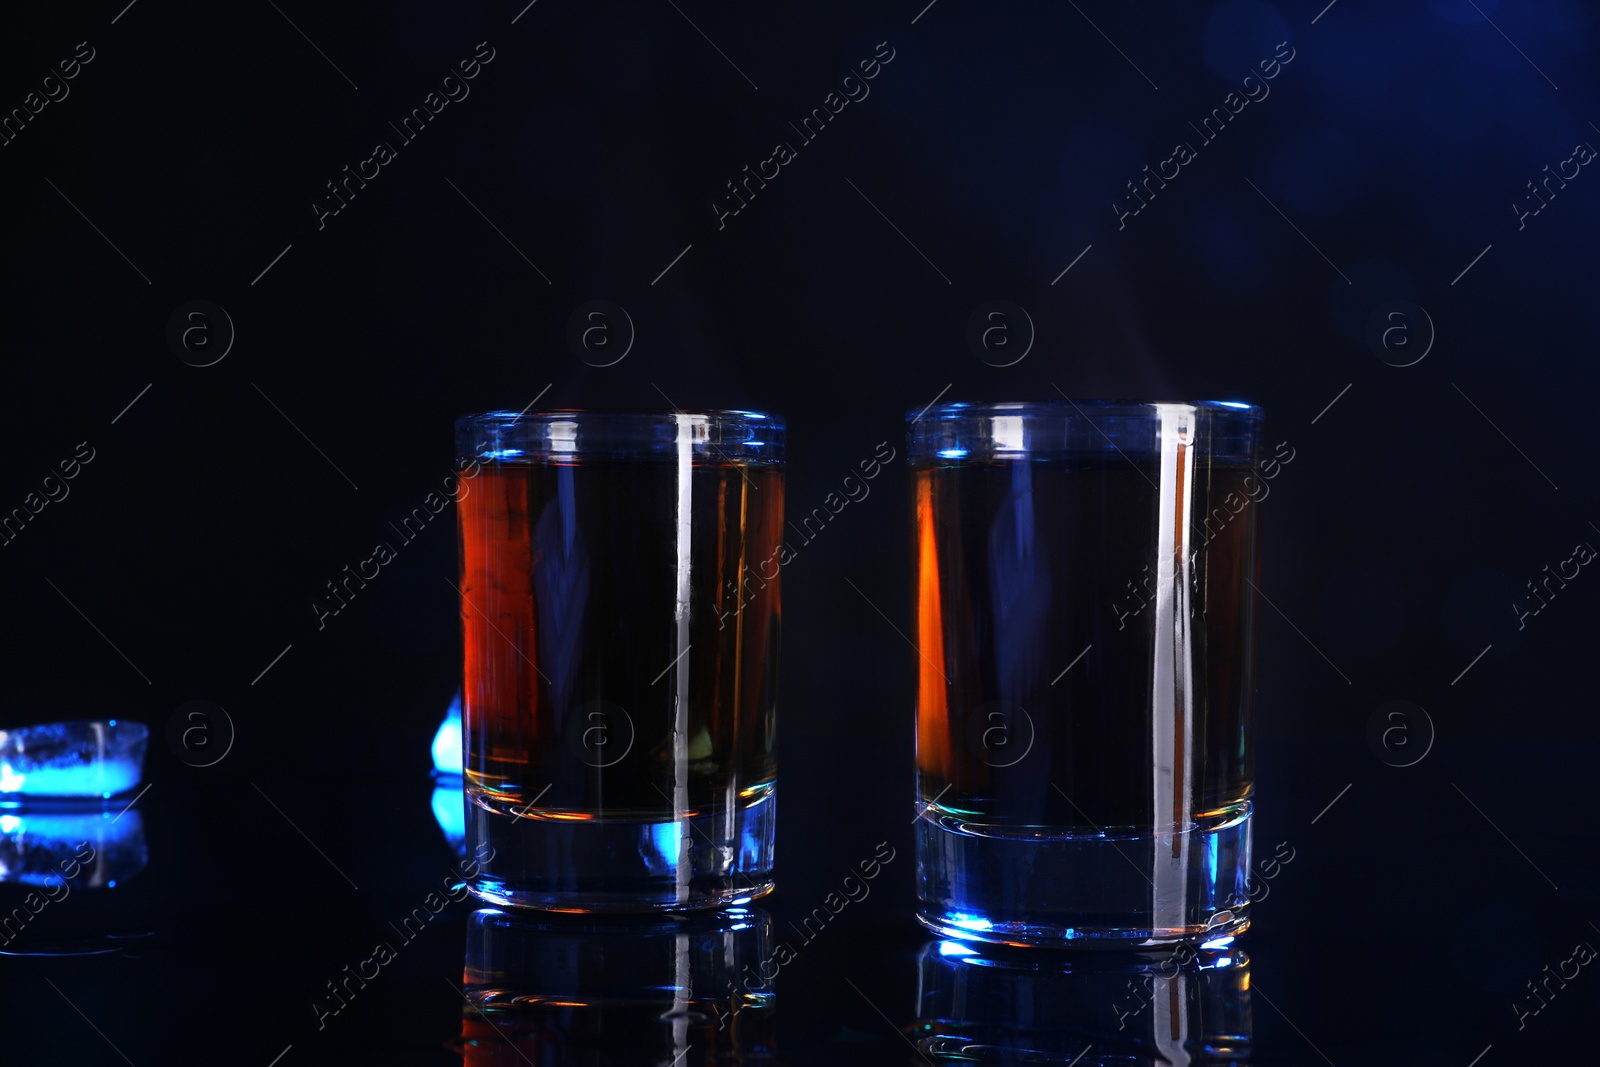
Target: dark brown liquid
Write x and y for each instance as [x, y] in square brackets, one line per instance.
[1022, 565]
[612, 656]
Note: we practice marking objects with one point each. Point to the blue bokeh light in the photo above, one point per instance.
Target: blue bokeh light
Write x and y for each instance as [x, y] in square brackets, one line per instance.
[1238, 34]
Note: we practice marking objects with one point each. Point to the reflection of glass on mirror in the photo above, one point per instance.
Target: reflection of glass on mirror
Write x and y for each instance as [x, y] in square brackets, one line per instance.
[991, 1003]
[576, 989]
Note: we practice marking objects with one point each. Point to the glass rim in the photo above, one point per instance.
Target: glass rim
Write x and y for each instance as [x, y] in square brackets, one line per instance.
[733, 434]
[665, 415]
[1057, 405]
[957, 432]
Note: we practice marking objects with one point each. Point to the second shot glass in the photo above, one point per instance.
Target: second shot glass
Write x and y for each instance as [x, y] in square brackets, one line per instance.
[1084, 586]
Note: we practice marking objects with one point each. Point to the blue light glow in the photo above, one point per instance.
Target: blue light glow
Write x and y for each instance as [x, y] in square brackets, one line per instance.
[104, 779]
[1211, 857]
[503, 453]
[1232, 404]
[1221, 942]
[953, 453]
[668, 837]
[970, 922]
[955, 948]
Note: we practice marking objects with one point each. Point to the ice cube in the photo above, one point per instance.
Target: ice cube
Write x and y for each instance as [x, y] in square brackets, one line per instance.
[447, 742]
[71, 759]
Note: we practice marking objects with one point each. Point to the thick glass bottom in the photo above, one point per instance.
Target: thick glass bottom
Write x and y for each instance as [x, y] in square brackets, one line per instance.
[1054, 888]
[600, 863]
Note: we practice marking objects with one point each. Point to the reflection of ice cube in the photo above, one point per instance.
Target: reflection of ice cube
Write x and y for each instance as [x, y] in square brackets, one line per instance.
[449, 808]
[447, 742]
[86, 849]
[72, 759]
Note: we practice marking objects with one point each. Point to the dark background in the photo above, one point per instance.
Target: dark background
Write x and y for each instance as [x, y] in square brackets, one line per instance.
[986, 159]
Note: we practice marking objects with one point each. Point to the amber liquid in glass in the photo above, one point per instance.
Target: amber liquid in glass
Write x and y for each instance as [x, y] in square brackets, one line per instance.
[578, 635]
[1023, 565]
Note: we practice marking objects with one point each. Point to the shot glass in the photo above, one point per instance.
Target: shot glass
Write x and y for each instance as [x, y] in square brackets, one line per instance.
[619, 605]
[1085, 610]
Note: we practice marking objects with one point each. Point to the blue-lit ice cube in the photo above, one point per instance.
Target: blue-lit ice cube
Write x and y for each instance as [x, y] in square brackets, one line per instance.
[447, 742]
[71, 759]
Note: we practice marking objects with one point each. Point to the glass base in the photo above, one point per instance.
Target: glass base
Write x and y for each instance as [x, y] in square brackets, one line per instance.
[722, 856]
[1035, 887]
